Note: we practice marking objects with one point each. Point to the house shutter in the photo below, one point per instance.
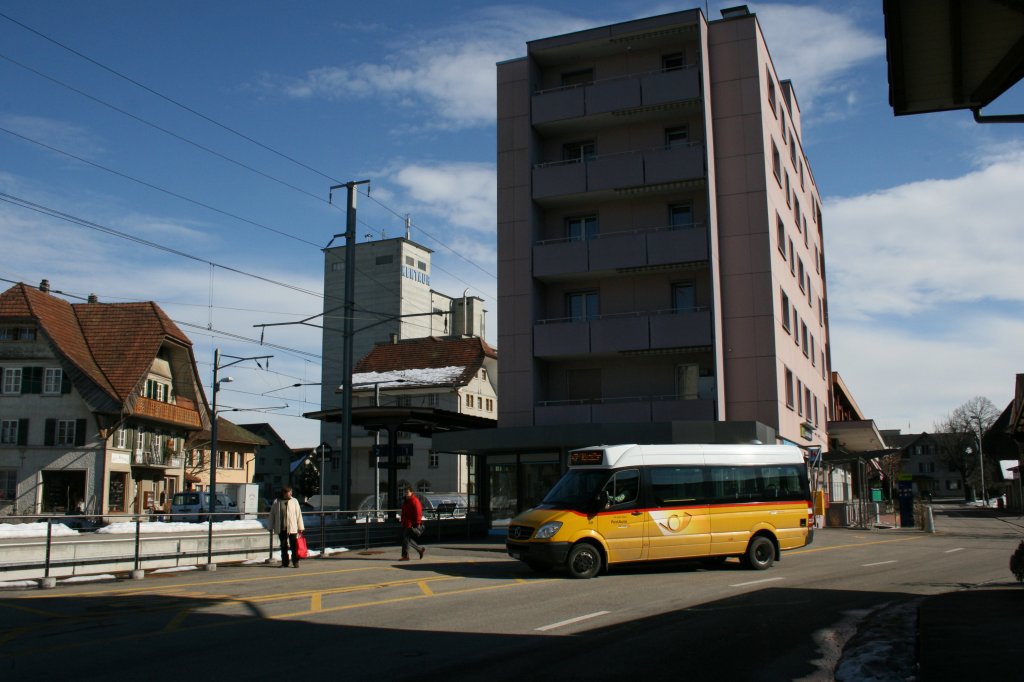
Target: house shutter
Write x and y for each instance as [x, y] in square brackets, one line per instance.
[22, 432]
[32, 380]
[65, 382]
[80, 431]
[49, 435]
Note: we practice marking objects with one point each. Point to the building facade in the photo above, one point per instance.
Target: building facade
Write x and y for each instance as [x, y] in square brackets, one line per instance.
[272, 465]
[96, 404]
[659, 232]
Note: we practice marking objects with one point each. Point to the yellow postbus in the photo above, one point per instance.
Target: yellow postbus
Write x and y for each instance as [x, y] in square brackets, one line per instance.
[627, 503]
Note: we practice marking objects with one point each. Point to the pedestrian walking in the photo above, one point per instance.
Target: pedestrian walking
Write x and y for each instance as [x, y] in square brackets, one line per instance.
[286, 522]
[412, 524]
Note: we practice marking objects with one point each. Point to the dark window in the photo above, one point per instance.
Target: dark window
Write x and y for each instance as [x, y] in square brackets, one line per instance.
[577, 78]
[672, 62]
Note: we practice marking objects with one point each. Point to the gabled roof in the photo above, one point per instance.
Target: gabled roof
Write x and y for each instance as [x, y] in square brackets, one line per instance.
[267, 432]
[227, 432]
[425, 361]
[112, 344]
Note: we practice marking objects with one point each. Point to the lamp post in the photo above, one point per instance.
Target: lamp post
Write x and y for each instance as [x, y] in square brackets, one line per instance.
[211, 496]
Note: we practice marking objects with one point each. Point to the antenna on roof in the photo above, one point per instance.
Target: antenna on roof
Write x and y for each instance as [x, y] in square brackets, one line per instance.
[408, 227]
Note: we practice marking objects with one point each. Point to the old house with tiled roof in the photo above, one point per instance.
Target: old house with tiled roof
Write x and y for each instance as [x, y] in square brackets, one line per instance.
[424, 384]
[96, 403]
[236, 456]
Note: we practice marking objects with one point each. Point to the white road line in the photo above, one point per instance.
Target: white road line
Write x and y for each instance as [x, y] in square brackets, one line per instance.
[880, 563]
[955, 549]
[756, 582]
[572, 620]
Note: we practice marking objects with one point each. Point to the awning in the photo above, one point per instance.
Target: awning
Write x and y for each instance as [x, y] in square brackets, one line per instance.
[424, 421]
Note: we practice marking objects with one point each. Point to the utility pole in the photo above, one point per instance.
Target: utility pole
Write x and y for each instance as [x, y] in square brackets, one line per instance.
[348, 342]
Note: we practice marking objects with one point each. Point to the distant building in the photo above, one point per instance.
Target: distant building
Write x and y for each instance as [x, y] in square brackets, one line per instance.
[925, 462]
[394, 302]
[236, 456]
[96, 404]
[272, 466]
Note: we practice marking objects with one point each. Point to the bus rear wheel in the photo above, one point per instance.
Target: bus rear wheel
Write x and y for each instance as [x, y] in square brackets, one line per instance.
[760, 553]
[584, 561]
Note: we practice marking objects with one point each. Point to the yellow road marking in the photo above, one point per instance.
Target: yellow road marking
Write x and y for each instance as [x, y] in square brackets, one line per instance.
[178, 619]
[854, 544]
[425, 588]
[315, 602]
[29, 609]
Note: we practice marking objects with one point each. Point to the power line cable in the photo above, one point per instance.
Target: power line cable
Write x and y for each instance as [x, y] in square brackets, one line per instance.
[167, 98]
[163, 130]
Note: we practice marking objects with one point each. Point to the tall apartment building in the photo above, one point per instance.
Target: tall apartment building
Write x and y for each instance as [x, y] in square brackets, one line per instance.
[659, 233]
[394, 301]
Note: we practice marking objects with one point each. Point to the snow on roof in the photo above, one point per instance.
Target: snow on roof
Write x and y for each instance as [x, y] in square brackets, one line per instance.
[407, 378]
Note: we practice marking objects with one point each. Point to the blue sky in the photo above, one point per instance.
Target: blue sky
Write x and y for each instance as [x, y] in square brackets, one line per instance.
[921, 213]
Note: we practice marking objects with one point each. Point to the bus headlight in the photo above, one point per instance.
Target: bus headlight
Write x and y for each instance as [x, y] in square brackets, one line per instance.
[548, 530]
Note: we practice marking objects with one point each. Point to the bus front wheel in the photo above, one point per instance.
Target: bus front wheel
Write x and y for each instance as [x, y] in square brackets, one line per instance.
[584, 561]
[760, 553]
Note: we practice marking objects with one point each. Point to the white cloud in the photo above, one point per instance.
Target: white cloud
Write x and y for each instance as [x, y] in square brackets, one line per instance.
[463, 194]
[54, 133]
[917, 246]
[450, 72]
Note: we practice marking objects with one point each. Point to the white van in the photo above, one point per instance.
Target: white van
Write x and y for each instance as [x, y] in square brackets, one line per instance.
[195, 504]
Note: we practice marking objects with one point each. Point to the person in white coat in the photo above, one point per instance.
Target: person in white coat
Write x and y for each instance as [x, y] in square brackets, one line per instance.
[286, 521]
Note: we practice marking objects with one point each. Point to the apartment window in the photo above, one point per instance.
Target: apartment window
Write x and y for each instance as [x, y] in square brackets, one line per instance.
[789, 201]
[422, 265]
[580, 228]
[578, 151]
[807, 401]
[801, 274]
[776, 163]
[806, 235]
[337, 267]
[821, 313]
[121, 438]
[801, 164]
[433, 461]
[490, 405]
[677, 137]
[814, 355]
[680, 216]
[385, 260]
[410, 261]
[792, 149]
[780, 235]
[817, 260]
[14, 432]
[822, 354]
[789, 388]
[672, 62]
[796, 321]
[157, 390]
[479, 403]
[577, 78]
[792, 261]
[469, 401]
[796, 215]
[582, 305]
[17, 333]
[803, 337]
[684, 297]
[782, 122]
[815, 410]
[785, 310]
[687, 381]
[12, 380]
[52, 380]
[771, 92]
[799, 398]
[8, 484]
[65, 432]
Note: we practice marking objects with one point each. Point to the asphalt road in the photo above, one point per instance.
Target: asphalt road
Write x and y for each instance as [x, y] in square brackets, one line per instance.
[470, 613]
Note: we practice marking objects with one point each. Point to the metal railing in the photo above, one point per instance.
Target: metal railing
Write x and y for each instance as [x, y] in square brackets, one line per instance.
[82, 547]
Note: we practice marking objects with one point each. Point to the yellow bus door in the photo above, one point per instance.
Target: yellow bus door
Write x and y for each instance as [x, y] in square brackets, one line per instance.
[622, 524]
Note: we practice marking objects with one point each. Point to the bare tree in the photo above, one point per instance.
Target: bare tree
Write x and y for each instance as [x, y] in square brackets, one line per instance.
[959, 440]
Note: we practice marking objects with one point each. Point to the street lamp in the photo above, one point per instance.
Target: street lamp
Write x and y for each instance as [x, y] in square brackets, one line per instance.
[291, 386]
[981, 469]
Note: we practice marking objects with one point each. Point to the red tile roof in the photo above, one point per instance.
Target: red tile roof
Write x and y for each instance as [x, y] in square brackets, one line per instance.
[113, 344]
[428, 352]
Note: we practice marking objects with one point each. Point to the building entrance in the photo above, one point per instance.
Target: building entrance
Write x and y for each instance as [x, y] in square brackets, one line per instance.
[63, 491]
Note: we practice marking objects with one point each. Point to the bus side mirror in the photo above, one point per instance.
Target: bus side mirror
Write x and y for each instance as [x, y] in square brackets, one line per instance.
[602, 501]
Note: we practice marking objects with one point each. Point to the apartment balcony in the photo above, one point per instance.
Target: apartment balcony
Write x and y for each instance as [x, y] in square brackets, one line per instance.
[627, 170]
[562, 258]
[157, 458]
[642, 409]
[631, 332]
[616, 94]
[183, 414]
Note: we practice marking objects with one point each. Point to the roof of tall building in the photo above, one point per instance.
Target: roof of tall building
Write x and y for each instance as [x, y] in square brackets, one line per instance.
[113, 344]
[430, 360]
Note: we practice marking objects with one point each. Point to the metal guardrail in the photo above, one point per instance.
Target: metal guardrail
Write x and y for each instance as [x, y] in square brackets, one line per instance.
[141, 549]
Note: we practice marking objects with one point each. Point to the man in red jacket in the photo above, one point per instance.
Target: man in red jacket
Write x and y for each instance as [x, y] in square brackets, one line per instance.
[412, 524]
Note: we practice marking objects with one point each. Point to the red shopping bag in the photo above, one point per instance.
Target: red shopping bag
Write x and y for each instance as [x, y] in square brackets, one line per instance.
[300, 546]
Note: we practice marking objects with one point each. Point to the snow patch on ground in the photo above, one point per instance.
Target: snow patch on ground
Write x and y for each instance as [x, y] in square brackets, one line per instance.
[884, 649]
[33, 530]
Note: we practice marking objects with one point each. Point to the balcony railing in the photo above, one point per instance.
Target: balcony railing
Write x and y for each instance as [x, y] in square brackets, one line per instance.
[638, 248]
[624, 409]
[158, 457]
[623, 332]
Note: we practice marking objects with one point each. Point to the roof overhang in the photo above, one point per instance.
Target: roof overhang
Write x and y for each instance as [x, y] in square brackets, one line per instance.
[952, 54]
[856, 436]
[424, 421]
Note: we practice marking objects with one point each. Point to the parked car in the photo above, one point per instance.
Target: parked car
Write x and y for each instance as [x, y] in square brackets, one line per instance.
[195, 504]
[435, 506]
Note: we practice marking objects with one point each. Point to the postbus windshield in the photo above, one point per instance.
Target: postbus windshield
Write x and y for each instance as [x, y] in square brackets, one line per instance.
[576, 490]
